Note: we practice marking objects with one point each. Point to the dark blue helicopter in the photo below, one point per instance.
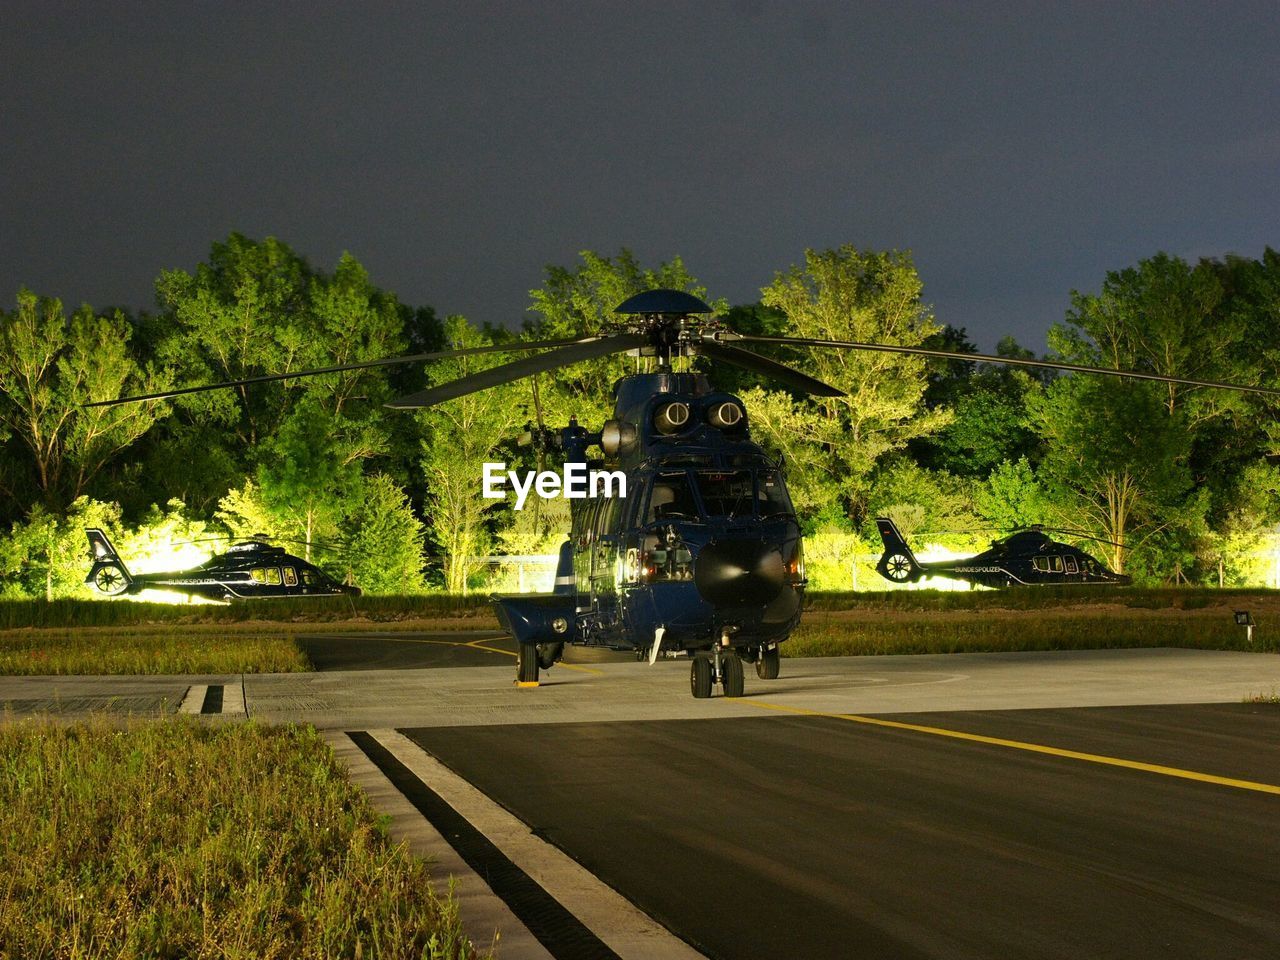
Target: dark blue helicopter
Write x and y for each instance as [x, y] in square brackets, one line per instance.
[252, 569]
[703, 557]
[1026, 558]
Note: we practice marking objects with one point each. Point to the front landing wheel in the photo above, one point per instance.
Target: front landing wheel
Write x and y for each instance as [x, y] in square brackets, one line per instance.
[731, 676]
[700, 677]
[527, 665]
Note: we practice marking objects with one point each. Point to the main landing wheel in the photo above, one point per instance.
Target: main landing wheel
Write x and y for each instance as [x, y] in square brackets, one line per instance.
[527, 665]
[700, 677]
[768, 664]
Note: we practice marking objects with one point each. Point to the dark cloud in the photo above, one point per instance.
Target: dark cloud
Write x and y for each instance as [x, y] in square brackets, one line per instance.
[1019, 150]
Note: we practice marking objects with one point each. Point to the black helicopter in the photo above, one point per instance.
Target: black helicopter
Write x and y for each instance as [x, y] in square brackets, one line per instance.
[252, 569]
[703, 557]
[1025, 558]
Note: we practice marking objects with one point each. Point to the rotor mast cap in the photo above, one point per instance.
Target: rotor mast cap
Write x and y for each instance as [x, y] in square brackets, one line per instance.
[667, 302]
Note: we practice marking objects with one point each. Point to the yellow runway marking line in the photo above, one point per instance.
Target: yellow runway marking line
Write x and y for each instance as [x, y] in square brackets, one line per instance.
[479, 645]
[1176, 772]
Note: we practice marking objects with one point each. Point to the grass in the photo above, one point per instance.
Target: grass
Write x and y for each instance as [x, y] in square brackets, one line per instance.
[854, 634]
[138, 638]
[16, 614]
[142, 651]
[177, 839]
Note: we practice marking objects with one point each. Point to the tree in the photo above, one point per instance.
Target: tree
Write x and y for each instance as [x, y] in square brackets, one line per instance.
[259, 308]
[832, 444]
[459, 437]
[44, 555]
[382, 540]
[1115, 461]
[1012, 497]
[989, 403]
[49, 368]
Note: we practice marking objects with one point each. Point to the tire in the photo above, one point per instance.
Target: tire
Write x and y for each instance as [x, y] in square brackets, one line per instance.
[732, 678]
[700, 679]
[768, 664]
[527, 663]
[549, 654]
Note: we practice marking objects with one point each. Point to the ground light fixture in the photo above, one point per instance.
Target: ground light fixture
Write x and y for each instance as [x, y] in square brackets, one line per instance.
[1244, 619]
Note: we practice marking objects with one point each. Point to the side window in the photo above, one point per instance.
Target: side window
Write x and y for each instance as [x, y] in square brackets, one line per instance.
[1057, 564]
[1071, 564]
[259, 575]
[290, 577]
[308, 578]
[273, 576]
[1041, 564]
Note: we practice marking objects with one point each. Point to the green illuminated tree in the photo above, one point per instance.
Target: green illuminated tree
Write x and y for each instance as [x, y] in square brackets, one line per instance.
[459, 437]
[44, 555]
[382, 540]
[833, 444]
[259, 308]
[49, 368]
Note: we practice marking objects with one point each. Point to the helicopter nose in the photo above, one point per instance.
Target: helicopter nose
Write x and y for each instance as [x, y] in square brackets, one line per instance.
[739, 573]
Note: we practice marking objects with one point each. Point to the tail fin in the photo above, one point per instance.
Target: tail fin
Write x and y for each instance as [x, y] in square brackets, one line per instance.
[897, 563]
[108, 573]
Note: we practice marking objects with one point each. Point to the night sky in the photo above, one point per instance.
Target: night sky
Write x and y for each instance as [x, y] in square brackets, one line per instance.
[1020, 150]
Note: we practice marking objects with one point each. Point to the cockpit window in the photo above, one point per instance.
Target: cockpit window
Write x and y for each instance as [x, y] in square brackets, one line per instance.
[671, 496]
[726, 493]
[771, 495]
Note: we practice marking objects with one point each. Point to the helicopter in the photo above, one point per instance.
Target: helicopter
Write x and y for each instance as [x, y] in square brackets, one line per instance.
[703, 557]
[251, 569]
[1026, 558]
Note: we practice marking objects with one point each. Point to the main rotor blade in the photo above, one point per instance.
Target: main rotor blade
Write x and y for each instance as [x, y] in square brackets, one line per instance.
[515, 346]
[495, 376]
[1007, 361]
[766, 367]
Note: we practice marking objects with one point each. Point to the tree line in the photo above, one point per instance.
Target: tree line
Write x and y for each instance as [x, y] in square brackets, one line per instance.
[1177, 484]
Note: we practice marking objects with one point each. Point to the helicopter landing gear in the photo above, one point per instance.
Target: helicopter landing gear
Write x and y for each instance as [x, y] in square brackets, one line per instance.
[701, 677]
[731, 675]
[549, 654]
[720, 666]
[527, 661]
[768, 664]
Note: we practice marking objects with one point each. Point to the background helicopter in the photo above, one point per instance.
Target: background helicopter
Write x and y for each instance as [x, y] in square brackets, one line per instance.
[251, 569]
[1027, 557]
[704, 557]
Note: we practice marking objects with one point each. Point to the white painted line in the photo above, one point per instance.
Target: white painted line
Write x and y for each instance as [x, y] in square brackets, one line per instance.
[486, 918]
[605, 912]
[233, 697]
[194, 699]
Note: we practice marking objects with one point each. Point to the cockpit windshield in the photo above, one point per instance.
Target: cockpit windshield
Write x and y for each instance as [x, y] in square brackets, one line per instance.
[726, 493]
[720, 493]
[670, 497]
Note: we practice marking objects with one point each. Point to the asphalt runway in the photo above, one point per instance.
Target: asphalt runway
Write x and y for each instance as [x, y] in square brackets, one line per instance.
[814, 836]
[1109, 803]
